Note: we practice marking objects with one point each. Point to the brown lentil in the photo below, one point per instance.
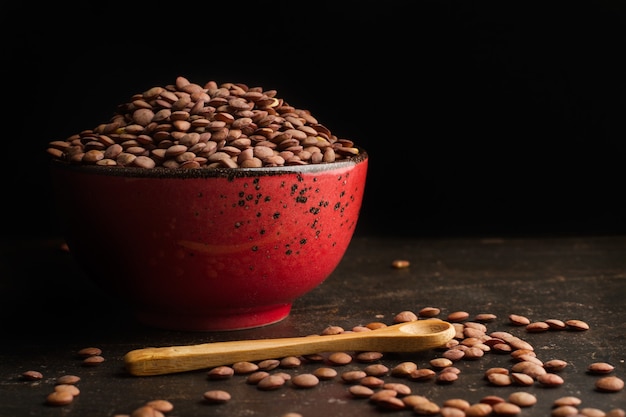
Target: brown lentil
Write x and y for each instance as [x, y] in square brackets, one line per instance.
[361, 329]
[564, 411]
[412, 400]
[491, 399]
[529, 368]
[163, 406]
[569, 400]
[577, 325]
[325, 373]
[221, 372]
[372, 382]
[216, 396]
[400, 263]
[271, 382]
[382, 394]
[459, 403]
[550, 380]
[446, 377]
[244, 367]
[478, 410]
[440, 363]
[360, 391]
[339, 358]
[268, 364]
[591, 412]
[506, 409]
[403, 369]
[521, 379]
[600, 368]
[457, 316]
[428, 408]
[94, 360]
[451, 412]
[537, 327]
[401, 389]
[485, 317]
[473, 353]
[290, 362]
[496, 370]
[89, 351]
[518, 320]
[60, 398]
[32, 375]
[452, 369]
[368, 356]
[68, 379]
[500, 380]
[331, 330]
[610, 384]
[556, 324]
[501, 348]
[422, 374]
[522, 399]
[376, 369]
[72, 389]
[146, 411]
[305, 380]
[522, 352]
[391, 403]
[256, 376]
[529, 358]
[453, 354]
[429, 312]
[283, 375]
[555, 365]
[517, 343]
[405, 317]
[353, 376]
[375, 325]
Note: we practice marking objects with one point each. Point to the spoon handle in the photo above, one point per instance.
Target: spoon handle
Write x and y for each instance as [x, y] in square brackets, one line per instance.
[421, 335]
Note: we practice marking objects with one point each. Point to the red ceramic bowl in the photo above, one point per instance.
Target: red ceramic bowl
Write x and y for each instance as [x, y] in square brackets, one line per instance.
[210, 249]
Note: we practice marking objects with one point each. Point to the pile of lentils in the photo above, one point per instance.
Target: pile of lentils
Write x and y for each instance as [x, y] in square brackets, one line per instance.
[188, 125]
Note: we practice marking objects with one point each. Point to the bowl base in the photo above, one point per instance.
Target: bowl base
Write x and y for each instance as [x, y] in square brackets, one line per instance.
[214, 322]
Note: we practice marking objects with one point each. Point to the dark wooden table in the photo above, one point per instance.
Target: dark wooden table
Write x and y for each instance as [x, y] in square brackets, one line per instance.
[50, 311]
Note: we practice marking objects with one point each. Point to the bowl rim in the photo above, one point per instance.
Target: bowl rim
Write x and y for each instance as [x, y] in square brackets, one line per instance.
[182, 173]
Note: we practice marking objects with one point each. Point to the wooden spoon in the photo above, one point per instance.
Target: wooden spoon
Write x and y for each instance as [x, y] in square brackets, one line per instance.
[411, 336]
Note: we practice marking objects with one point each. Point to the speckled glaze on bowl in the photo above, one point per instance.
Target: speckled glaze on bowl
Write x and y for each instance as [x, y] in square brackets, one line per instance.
[208, 250]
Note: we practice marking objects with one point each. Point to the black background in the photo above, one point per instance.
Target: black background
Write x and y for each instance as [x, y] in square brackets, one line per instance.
[480, 118]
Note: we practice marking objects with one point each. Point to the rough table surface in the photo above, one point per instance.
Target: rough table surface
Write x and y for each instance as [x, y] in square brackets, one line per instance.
[51, 311]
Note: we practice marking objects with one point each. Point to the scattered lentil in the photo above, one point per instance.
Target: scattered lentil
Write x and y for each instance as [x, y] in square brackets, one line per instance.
[217, 396]
[400, 264]
[429, 312]
[339, 358]
[305, 380]
[89, 351]
[221, 372]
[163, 406]
[600, 368]
[457, 316]
[405, 317]
[32, 375]
[610, 384]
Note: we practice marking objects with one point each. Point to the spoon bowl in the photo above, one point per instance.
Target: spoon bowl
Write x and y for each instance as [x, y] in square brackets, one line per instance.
[411, 336]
